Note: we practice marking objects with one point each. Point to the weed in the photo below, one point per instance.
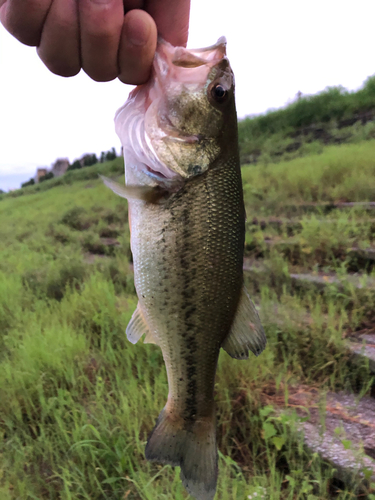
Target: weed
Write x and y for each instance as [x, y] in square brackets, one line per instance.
[76, 218]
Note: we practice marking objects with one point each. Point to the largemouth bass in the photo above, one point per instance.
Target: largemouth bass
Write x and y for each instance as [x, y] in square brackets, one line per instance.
[187, 220]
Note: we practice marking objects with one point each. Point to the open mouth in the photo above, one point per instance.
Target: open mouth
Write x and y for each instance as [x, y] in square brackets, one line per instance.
[185, 59]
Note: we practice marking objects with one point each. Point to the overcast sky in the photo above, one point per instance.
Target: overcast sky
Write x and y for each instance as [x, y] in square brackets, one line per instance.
[276, 48]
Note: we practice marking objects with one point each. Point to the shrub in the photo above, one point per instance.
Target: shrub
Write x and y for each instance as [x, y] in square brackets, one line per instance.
[309, 115]
[52, 281]
[90, 160]
[49, 175]
[31, 182]
[76, 165]
[76, 218]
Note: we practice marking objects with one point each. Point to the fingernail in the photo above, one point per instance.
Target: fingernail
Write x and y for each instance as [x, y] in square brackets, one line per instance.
[137, 31]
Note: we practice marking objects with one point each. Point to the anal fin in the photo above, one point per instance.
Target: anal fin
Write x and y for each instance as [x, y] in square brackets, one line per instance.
[247, 332]
[137, 326]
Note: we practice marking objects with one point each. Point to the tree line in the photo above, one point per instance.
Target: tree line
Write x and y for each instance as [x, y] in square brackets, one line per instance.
[86, 161]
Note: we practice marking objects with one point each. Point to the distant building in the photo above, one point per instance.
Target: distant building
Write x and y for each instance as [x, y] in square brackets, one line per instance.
[60, 167]
[40, 173]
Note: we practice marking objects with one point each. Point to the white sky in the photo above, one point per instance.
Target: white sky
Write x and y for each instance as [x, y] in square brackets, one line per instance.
[276, 48]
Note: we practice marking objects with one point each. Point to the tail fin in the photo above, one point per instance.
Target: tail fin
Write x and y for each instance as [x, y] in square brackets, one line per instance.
[192, 446]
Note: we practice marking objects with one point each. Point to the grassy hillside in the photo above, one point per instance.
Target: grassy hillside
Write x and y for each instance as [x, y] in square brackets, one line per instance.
[108, 168]
[332, 116]
[77, 400]
[339, 173]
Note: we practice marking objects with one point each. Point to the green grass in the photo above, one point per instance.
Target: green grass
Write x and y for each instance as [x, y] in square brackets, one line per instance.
[316, 241]
[77, 400]
[340, 173]
[301, 123]
[115, 167]
[334, 103]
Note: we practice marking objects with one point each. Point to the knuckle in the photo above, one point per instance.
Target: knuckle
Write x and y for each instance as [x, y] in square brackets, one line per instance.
[102, 27]
[104, 36]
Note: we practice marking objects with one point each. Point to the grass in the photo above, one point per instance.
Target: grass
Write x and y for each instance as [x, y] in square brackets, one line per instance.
[318, 240]
[77, 400]
[340, 173]
[334, 103]
[107, 168]
[302, 126]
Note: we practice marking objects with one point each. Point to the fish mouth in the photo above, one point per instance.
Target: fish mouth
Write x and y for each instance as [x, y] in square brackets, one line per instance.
[175, 62]
[182, 66]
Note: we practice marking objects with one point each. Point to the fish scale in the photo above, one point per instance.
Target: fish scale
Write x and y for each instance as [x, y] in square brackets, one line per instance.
[205, 266]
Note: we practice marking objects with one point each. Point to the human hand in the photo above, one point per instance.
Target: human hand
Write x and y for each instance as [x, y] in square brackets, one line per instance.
[107, 38]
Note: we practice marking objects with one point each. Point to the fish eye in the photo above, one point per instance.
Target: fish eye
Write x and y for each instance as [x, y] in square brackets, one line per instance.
[219, 93]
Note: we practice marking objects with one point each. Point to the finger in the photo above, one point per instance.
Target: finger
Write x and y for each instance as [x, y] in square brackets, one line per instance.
[59, 47]
[100, 24]
[25, 19]
[171, 18]
[3, 7]
[137, 47]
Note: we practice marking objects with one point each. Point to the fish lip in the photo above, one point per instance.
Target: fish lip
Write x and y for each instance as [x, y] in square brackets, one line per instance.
[175, 63]
[220, 46]
[200, 54]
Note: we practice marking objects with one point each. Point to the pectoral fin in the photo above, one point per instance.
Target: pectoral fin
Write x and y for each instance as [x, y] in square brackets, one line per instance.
[151, 194]
[247, 331]
[137, 326]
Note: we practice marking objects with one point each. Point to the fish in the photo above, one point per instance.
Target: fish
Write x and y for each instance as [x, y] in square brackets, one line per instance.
[187, 221]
